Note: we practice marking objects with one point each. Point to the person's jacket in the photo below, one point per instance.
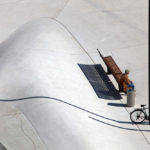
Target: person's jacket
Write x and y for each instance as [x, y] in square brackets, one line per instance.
[124, 81]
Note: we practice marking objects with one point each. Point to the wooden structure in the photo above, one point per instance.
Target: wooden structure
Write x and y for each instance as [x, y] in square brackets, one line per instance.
[112, 68]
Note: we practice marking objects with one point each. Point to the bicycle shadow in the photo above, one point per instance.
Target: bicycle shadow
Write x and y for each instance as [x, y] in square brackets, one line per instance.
[119, 126]
[117, 104]
[78, 107]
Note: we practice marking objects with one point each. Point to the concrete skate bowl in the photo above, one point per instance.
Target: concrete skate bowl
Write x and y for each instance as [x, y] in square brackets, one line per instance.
[41, 59]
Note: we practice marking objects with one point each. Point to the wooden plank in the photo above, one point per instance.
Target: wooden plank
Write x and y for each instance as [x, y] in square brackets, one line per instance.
[113, 67]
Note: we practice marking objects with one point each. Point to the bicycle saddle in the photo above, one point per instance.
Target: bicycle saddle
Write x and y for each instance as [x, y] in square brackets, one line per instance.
[143, 105]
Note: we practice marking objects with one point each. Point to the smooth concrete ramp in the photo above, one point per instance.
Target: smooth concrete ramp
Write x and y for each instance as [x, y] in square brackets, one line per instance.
[42, 75]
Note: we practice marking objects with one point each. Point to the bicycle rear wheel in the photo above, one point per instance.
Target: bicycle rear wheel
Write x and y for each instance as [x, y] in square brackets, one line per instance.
[137, 116]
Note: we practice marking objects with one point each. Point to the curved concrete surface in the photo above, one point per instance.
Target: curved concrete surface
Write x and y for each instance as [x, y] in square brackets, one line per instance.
[44, 93]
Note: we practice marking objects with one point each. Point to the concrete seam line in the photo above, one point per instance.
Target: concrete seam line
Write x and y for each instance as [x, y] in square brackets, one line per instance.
[30, 139]
[143, 135]
[71, 35]
[65, 4]
[36, 132]
[137, 126]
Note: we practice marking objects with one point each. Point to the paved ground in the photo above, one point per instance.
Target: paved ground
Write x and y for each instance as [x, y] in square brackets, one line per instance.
[52, 97]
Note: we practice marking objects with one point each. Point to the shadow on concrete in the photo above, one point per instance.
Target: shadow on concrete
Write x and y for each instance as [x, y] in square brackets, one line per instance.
[119, 126]
[80, 108]
[123, 94]
[100, 82]
[117, 105]
[59, 100]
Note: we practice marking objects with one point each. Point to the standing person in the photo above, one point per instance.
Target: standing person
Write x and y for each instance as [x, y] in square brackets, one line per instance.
[125, 82]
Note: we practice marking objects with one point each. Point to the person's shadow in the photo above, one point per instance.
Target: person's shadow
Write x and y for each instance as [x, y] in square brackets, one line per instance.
[117, 104]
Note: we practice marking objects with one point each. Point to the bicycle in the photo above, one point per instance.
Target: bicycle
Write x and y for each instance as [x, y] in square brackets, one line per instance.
[139, 115]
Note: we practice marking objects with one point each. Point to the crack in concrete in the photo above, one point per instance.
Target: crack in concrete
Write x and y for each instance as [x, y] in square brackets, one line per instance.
[62, 9]
[25, 134]
[117, 18]
[5, 3]
[11, 115]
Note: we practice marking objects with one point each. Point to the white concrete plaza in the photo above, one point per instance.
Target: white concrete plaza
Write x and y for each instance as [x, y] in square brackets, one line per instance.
[46, 99]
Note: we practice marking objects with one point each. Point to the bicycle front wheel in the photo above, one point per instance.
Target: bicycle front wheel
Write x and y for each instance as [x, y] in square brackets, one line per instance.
[137, 116]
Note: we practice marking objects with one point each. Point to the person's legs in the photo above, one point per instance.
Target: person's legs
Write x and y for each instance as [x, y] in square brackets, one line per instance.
[125, 88]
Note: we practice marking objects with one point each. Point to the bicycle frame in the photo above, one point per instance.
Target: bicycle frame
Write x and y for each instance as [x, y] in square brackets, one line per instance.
[144, 110]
